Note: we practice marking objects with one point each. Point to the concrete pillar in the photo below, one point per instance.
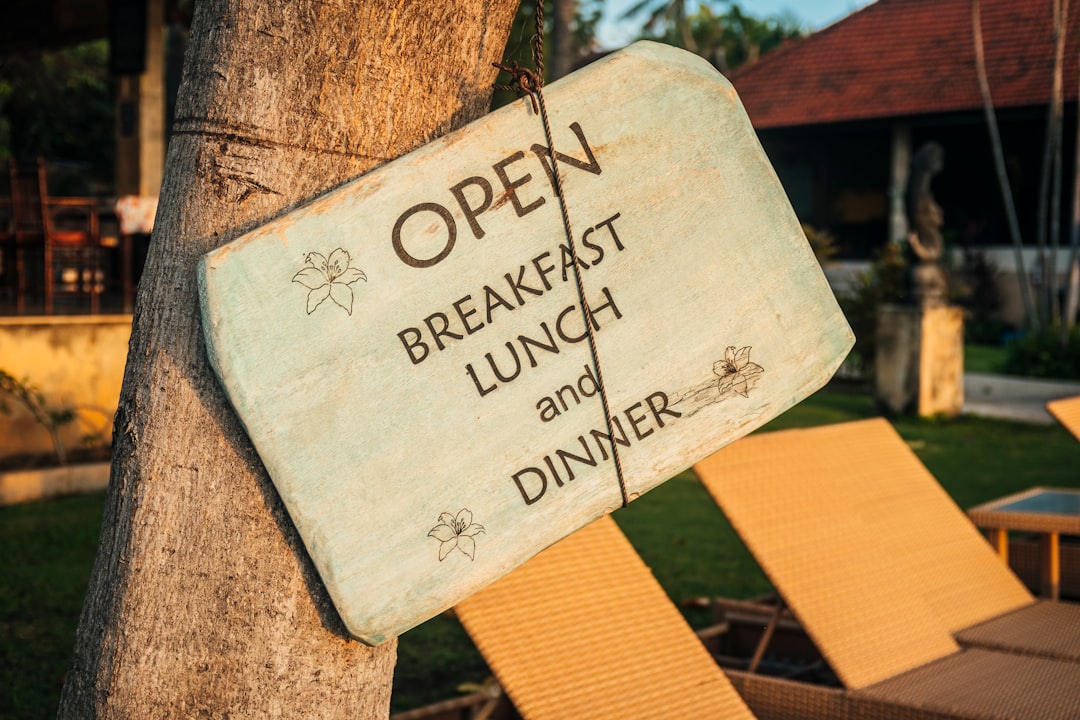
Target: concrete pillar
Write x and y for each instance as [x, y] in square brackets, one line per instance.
[919, 365]
[899, 167]
[140, 115]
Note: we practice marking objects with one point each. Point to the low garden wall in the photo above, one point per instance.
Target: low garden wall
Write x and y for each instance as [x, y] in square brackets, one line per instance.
[77, 362]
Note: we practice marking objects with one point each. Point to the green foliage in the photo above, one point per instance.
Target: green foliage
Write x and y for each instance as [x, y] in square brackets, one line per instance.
[587, 16]
[59, 105]
[733, 38]
[974, 287]
[884, 283]
[1040, 354]
[822, 242]
[727, 38]
[519, 43]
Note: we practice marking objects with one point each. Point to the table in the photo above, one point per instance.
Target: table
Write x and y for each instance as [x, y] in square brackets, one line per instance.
[1048, 511]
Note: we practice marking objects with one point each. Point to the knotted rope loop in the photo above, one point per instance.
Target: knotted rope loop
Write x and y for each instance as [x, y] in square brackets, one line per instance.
[525, 82]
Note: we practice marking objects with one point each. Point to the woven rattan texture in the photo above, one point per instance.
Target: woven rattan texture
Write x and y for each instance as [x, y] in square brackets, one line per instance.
[871, 471]
[945, 557]
[772, 698]
[789, 499]
[961, 578]
[1067, 412]
[974, 685]
[1049, 629]
[583, 630]
[1025, 559]
[984, 684]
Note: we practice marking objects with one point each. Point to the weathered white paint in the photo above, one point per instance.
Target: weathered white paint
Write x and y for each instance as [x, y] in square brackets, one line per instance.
[398, 467]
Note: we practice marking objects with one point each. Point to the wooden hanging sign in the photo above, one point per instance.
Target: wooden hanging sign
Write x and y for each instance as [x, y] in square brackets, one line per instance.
[410, 359]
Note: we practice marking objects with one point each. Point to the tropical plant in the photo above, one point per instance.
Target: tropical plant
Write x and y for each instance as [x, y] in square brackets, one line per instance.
[734, 38]
[1040, 354]
[59, 105]
[975, 288]
[727, 38]
[665, 19]
[885, 282]
[564, 46]
[822, 242]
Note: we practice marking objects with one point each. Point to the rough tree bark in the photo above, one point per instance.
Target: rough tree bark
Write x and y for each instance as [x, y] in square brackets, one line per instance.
[202, 601]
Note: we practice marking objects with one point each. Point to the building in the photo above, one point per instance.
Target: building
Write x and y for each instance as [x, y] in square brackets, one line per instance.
[841, 112]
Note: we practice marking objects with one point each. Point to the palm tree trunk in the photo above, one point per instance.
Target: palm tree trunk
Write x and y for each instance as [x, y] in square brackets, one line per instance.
[1030, 318]
[1049, 215]
[1073, 293]
[1057, 103]
[203, 601]
[563, 51]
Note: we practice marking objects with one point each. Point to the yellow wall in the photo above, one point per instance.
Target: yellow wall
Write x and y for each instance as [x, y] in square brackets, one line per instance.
[76, 361]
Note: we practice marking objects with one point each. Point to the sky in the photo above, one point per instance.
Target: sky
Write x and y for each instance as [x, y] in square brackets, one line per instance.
[814, 14]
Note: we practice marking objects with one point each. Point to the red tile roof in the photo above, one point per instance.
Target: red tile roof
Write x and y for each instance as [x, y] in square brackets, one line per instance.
[898, 58]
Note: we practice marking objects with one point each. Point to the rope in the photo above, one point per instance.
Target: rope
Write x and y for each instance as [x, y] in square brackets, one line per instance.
[531, 83]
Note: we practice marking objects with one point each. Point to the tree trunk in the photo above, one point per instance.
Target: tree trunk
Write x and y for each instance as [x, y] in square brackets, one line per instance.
[1057, 102]
[1072, 295]
[1030, 318]
[563, 51]
[1049, 215]
[202, 601]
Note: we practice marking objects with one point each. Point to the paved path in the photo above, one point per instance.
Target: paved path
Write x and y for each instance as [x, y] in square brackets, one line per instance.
[1012, 398]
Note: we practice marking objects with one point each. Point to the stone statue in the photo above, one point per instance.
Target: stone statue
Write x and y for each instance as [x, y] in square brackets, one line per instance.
[925, 218]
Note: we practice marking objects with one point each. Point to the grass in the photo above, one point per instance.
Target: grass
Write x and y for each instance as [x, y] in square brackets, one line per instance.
[47, 548]
[46, 552]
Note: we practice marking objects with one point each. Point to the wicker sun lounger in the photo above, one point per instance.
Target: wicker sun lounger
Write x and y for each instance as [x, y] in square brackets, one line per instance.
[1067, 411]
[583, 630]
[818, 526]
[867, 468]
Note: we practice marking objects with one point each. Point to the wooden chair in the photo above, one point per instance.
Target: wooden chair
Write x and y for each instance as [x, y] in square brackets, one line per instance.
[583, 630]
[898, 590]
[55, 239]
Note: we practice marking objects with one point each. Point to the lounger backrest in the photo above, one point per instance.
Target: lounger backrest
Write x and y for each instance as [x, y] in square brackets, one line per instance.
[583, 630]
[960, 576]
[1067, 411]
[791, 505]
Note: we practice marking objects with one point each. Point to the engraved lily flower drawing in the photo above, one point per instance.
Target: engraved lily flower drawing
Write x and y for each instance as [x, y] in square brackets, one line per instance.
[456, 532]
[736, 371]
[329, 277]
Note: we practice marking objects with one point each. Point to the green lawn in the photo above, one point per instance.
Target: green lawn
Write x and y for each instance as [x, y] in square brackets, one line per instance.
[46, 550]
